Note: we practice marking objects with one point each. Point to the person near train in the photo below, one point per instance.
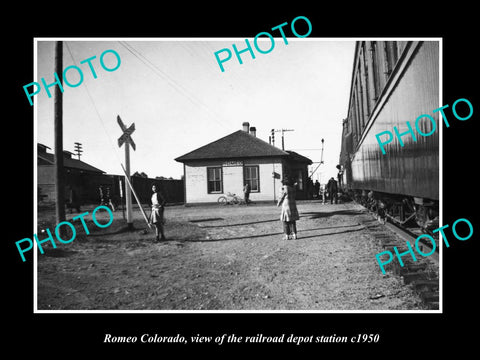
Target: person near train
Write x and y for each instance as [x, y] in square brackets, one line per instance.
[316, 187]
[332, 190]
[289, 214]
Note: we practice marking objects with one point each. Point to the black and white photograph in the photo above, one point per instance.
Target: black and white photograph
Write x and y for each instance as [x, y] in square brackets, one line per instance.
[203, 183]
[260, 187]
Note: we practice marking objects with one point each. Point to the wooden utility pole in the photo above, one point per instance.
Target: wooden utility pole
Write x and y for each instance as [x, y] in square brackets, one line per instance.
[283, 141]
[58, 128]
[128, 193]
[78, 149]
[128, 141]
[136, 197]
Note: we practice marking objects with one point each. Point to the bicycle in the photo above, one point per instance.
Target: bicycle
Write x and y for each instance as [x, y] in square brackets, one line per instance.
[229, 198]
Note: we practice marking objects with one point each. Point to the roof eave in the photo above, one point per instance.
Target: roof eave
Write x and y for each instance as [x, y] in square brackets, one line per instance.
[179, 159]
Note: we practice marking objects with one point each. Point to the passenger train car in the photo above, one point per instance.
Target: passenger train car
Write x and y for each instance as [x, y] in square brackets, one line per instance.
[393, 82]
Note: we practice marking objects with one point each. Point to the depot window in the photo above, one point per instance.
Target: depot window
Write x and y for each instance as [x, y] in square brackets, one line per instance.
[214, 180]
[252, 177]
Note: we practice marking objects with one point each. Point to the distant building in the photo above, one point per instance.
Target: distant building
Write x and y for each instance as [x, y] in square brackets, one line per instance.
[227, 164]
[79, 176]
[82, 182]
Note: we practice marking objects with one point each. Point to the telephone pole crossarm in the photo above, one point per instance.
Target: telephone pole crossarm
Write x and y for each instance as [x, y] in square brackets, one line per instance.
[283, 131]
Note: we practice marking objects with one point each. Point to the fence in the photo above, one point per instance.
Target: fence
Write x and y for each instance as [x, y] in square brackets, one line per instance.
[85, 187]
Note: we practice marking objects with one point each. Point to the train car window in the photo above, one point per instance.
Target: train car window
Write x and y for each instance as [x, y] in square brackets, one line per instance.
[355, 116]
[380, 57]
[356, 112]
[390, 50]
[374, 72]
[387, 69]
[400, 47]
[394, 52]
[366, 95]
[361, 102]
[358, 104]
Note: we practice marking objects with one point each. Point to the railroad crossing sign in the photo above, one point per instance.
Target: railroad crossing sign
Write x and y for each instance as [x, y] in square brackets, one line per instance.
[126, 138]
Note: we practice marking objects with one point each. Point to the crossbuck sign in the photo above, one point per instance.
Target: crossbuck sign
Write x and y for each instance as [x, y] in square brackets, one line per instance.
[126, 138]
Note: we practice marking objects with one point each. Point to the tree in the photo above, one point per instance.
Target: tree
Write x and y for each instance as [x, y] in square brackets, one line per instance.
[142, 174]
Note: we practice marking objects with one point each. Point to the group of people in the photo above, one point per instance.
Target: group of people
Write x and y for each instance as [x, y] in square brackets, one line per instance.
[314, 190]
[289, 214]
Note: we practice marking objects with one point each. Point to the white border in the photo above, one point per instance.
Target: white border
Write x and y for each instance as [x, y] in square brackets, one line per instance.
[35, 212]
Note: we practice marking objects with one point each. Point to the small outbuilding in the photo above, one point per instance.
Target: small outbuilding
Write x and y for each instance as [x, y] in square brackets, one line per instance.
[227, 164]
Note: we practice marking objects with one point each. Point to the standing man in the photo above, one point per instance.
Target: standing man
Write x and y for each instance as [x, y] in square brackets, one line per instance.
[309, 189]
[317, 188]
[340, 176]
[332, 189]
[246, 193]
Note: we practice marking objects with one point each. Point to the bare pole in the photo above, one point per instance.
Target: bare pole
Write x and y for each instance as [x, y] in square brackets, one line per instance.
[136, 197]
[58, 128]
[121, 196]
[128, 196]
[320, 163]
[282, 131]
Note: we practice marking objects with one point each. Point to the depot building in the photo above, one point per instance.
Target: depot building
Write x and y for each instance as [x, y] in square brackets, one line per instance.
[227, 164]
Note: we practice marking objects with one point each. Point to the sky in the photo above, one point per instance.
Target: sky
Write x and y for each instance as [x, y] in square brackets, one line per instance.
[179, 99]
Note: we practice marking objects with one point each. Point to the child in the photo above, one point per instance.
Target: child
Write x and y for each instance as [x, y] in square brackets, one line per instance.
[289, 214]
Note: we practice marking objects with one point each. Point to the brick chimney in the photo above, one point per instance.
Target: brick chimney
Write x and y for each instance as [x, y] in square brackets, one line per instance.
[246, 127]
[253, 131]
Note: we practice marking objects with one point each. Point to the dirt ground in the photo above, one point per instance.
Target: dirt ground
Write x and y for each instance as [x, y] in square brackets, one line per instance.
[222, 258]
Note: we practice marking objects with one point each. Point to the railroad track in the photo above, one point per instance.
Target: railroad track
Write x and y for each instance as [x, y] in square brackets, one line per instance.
[422, 275]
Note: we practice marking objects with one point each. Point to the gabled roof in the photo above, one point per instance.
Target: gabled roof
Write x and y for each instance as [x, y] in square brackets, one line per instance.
[299, 158]
[69, 163]
[239, 144]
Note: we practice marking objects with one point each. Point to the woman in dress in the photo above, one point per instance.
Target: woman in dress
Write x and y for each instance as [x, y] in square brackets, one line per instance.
[156, 217]
[289, 214]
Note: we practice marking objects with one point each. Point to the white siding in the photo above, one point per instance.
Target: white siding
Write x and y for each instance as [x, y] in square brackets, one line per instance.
[233, 180]
[196, 184]
[269, 186]
[196, 180]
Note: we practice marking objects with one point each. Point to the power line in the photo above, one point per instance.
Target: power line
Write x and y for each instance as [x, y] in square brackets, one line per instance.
[96, 109]
[172, 82]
